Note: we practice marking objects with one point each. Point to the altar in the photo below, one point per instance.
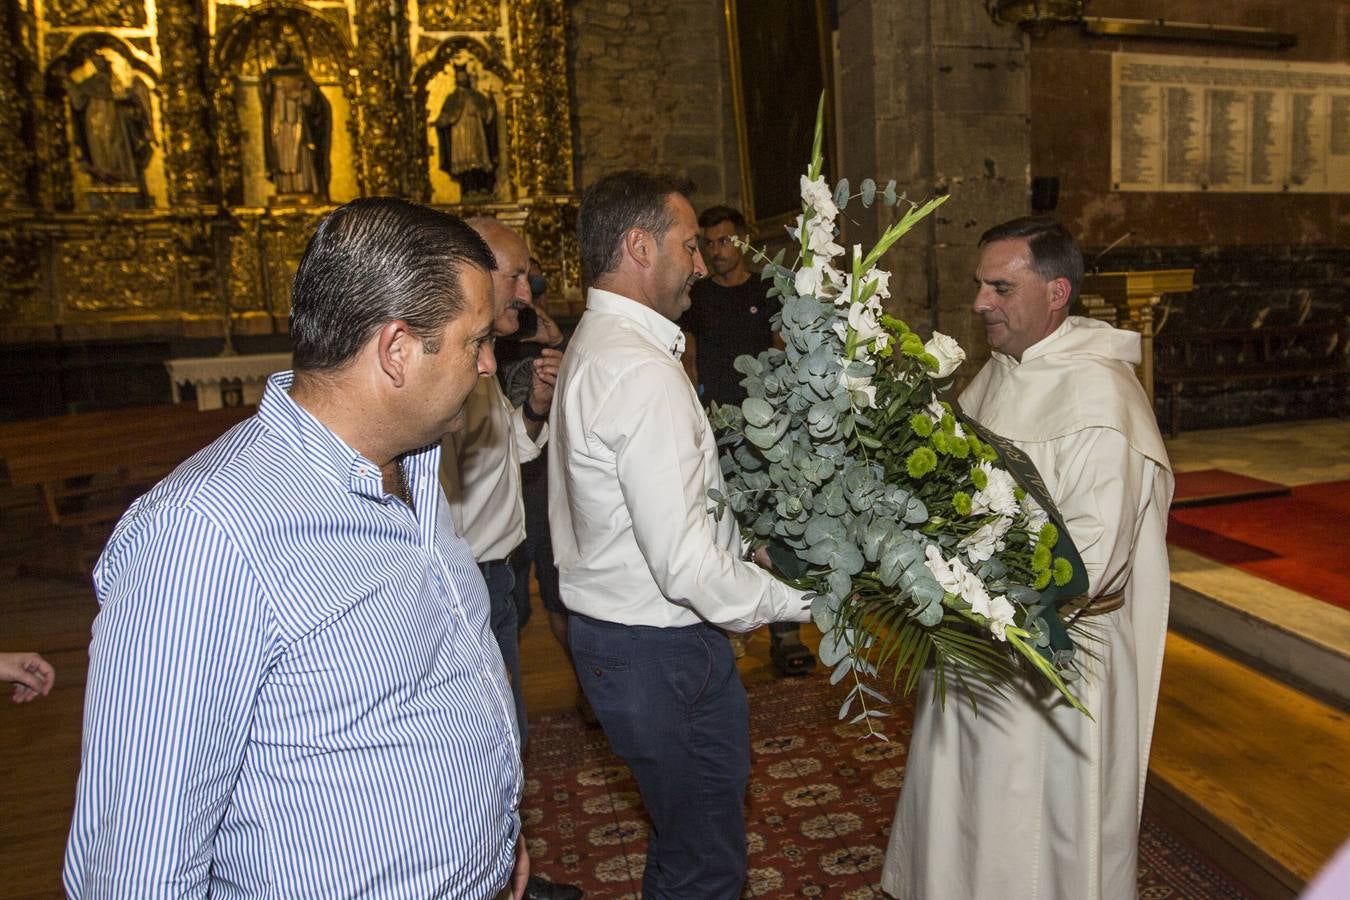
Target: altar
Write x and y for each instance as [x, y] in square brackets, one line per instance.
[235, 380]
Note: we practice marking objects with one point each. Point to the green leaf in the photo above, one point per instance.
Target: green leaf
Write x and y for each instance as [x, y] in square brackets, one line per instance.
[834, 646]
[757, 411]
[869, 191]
[889, 194]
[841, 670]
[841, 193]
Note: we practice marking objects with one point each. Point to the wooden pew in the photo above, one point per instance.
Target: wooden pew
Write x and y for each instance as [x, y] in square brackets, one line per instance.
[87, 467]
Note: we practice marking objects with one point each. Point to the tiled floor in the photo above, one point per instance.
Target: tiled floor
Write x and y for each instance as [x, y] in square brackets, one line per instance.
[1286, 452]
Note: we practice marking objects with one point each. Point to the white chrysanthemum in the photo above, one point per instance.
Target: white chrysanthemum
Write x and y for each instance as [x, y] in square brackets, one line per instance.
[999, 494]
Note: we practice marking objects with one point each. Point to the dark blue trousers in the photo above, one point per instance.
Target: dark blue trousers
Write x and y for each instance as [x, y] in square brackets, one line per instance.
[502, 620]
[673, 707]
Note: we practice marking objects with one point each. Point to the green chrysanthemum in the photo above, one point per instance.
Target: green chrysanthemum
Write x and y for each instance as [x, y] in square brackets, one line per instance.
[893, 325]
[979, 478]
[921, 462]
[949, 423]
[987, 453]
[942, 442]
[961, 502]
[921, 425]
[1040, 558]
[1042, 580]
[959, 448]
[1049, 535]
[1063, 571]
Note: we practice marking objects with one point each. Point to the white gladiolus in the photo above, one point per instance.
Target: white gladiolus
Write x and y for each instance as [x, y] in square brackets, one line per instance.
[820, 237]
[816, 194]
[861, 390]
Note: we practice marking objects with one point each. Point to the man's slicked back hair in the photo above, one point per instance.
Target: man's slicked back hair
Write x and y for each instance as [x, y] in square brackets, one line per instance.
[372, 261]
[616, 203]
[1054, 252]
[716, 215]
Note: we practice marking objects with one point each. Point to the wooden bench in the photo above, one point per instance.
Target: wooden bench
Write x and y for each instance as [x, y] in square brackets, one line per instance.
[1272, 353]
[87, 467]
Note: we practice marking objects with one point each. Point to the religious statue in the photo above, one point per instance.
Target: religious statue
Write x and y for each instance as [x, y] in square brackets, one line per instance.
[467, 132]
[297, 123]
[114, 134]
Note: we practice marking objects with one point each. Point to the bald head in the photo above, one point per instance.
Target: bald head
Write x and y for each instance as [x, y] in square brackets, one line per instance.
[511, 280]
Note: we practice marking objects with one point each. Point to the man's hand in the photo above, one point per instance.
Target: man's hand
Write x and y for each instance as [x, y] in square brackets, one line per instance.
[761, 559]
[545, 377]
[547, 333]
[520, 875]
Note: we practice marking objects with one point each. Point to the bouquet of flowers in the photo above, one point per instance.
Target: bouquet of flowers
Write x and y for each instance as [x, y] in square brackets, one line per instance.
[867, 489]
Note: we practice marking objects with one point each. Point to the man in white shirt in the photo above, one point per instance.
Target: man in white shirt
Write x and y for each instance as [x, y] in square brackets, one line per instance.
[480, 463]
[648, 568]
[1029, 799]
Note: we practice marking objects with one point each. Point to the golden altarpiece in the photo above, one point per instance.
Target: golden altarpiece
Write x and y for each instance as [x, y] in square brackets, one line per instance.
[163, 162]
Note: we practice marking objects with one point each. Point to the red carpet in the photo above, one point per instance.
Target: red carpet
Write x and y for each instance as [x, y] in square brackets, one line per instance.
[818, 812]
[1300, 541]
[1207, 486]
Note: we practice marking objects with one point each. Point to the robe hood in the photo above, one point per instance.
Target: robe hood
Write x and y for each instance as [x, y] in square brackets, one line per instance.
[1072, 379]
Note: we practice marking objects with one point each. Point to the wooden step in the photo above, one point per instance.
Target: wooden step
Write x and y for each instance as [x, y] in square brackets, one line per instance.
[1254, 772]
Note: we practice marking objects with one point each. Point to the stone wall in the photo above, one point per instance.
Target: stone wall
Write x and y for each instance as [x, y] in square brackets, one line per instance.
[651, 89]
[934, 95]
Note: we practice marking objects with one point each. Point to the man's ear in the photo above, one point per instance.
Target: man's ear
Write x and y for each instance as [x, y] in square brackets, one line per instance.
[394, 346]
[1060, 292]
[638, 244]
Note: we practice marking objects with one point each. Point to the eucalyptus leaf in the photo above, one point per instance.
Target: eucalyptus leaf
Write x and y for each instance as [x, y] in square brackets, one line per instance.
[841, 671]
[841, 193]
[869, 191]
[834, 646]
[841, 584]
[824, 609]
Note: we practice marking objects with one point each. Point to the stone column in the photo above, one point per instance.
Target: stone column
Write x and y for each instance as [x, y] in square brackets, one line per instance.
[16, 157]
[935, 95]
[381, 60]
[187, 109]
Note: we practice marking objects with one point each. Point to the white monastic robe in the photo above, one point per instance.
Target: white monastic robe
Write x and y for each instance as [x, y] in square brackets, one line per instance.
[1029, 798]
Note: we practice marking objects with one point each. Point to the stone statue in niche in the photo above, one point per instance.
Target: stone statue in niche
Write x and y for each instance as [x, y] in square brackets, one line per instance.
[466, 130]
[297, 126]
[114, 134]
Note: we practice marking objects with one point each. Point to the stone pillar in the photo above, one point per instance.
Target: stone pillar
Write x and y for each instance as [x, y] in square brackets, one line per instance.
[16, 157]
[935, 95]
[187, 113]
[382, 64]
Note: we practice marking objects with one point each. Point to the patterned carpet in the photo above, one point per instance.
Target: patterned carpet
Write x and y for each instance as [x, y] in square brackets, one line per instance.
[584, 822]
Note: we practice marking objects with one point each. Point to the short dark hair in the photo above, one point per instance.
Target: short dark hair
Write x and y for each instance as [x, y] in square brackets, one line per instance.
[616, 203]
[716, 215]
[374, 260]
[1054, 252]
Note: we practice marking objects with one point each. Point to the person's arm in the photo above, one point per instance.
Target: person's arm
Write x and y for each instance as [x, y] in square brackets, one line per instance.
[32, 675]
[650, 421]
[179, 652]
[1099, 483]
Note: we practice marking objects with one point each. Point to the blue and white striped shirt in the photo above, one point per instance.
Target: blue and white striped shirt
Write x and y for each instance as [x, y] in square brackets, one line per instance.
[293, 691]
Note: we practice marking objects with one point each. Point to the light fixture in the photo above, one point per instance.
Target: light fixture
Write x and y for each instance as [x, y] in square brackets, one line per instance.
[1037, 17]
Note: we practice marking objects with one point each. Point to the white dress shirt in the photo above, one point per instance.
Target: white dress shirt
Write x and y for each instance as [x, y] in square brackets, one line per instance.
[480, 471]
[636, 538]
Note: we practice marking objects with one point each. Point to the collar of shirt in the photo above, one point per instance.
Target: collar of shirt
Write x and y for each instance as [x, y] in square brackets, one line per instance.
[666, 332]
[327, 453]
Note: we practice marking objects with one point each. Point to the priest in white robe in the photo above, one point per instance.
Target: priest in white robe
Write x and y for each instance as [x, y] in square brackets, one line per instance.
[1028, 799]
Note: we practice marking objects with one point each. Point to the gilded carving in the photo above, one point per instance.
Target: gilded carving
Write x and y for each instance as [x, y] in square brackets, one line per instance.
[459, 15]
[115, 13]
[123, 270]
[383, 27]
[16, 159]
[219, 239]
[187, 112]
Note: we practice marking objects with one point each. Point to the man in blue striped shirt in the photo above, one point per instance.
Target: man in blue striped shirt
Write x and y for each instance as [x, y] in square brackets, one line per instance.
[293, 691]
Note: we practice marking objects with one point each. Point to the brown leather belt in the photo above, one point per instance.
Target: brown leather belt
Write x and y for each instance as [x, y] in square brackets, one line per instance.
[1083, 605]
